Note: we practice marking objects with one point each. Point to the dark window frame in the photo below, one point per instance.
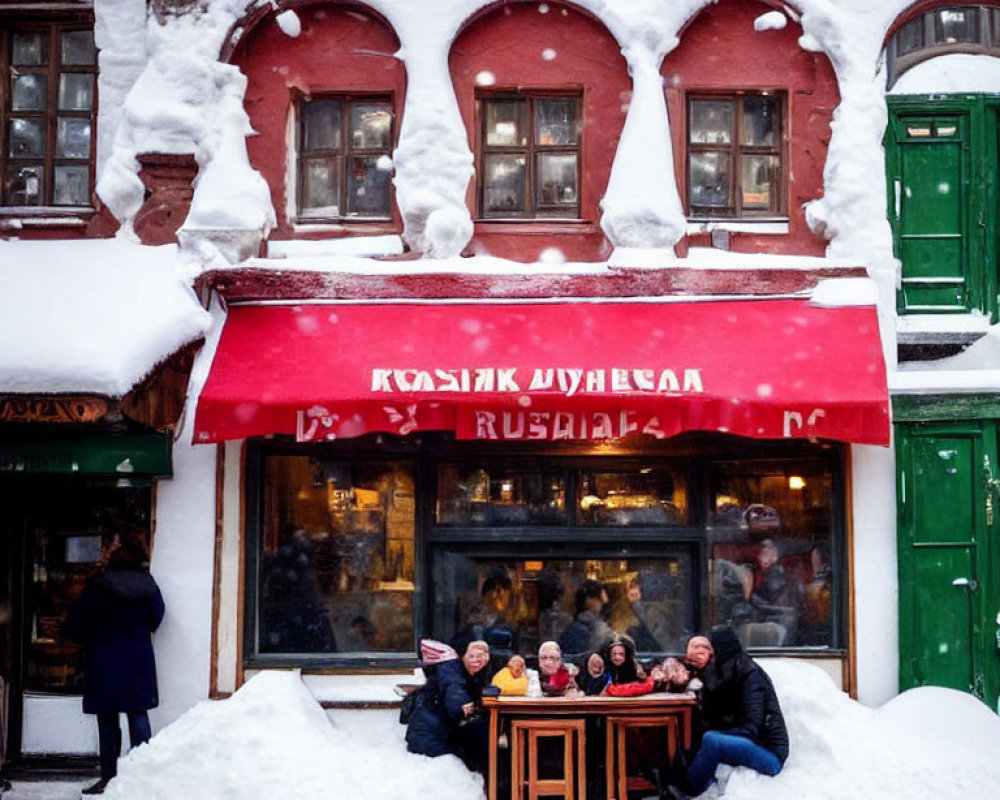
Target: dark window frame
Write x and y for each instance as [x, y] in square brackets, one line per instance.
[900, 59]
[341, 156]
[571, 540]
[530, 151]
[53, 28]
[735, 149]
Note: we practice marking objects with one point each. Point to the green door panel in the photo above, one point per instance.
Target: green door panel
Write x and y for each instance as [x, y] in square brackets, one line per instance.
[949, 555]
[941, 651]
[946, 463]
[932, 189]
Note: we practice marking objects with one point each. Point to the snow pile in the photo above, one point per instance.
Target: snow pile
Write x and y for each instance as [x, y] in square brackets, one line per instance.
[91, 316]
[272, 739]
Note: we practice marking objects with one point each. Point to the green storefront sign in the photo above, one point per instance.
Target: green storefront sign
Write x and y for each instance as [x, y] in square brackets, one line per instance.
[148, 455]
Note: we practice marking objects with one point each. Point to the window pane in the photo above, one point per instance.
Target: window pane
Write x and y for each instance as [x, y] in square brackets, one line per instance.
[556, 184]
[556, 121]
[27, 138]
[760, 176]
[910, 36]
[761, 120]
[23, 185]
[368, 187]
[336, 559]
[711, 121]
[371, 126]
[506, 122]
[321, 125]
[499, 496]
[515, 605]
[72, 137]
[770, 553]
[76, 91]
[29, 92]
[503, 184]
[952, 25]
[29, 49]
[78, 48]
[321, 187]
[72, 186]
[648, 496]
[711, 180]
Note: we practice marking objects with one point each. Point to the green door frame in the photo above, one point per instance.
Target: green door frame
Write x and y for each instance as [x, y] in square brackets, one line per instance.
[982, 544]
[978, 113]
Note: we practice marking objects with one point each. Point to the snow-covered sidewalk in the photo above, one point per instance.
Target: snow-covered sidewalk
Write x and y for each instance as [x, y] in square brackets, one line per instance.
[273, 739]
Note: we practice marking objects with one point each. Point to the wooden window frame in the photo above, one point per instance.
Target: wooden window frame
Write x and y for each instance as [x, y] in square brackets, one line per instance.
[341, 155]
[736, 149]
[987, 43]
[53, 29]
[529, 151]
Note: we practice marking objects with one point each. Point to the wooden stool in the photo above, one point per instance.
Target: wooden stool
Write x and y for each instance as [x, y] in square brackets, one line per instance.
[619, 782]
[524, 735]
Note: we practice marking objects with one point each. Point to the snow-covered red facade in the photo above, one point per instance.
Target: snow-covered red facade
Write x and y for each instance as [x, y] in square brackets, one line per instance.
[478, 301]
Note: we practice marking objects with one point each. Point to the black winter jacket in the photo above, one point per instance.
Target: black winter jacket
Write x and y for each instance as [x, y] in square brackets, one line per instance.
[739, 699]
[113, 619]
[434, 728]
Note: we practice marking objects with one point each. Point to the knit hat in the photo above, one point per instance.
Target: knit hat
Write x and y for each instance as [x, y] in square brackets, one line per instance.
[725, 644]
[434, 652]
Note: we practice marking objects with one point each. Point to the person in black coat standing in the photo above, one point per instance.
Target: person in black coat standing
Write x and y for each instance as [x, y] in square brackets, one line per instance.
[113, 620]
[740, 715]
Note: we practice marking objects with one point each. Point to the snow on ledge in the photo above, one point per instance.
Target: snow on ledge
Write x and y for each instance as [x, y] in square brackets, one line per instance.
[835, 292]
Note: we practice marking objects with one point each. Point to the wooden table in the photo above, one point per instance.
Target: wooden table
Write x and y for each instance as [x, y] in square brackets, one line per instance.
[672, 709]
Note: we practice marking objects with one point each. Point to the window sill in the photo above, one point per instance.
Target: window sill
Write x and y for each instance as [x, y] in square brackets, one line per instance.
[19, 217]
[773, 227]
[537, 225]
[341, 226]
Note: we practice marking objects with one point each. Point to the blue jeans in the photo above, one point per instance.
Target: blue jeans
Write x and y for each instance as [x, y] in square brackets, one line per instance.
[109, 735]
[722, 748]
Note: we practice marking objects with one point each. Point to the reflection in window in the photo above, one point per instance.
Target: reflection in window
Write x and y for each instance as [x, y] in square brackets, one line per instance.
[735, 162]
[336, 558]
[49, 118]
[515, 604]
[530, 161]
[770, 552]
[499, 496]
[646, 496]
[345, 169]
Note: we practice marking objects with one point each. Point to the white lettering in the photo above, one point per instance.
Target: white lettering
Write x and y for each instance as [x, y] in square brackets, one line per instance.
[506, 382]
[509, 432]
[562, 427]
[816, 414]
[423, 382]
[628, 423]
[601, 426]
[542, 379]
[668, 382]
[485, 380]
[538, 425]
[619, 380]
[486, 425]
[643, 379]
[652, 428]
[402, 378]
[448, 380]
[692, 381]
[570, 380]
[791, 417]
[595, 380]
[380, 380]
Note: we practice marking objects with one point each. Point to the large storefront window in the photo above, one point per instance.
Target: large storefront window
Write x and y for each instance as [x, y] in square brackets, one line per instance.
[336, 557]
[360, 550]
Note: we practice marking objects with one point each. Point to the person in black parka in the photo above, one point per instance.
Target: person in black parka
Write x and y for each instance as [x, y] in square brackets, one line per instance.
[445, 720]
[741, 716]
[113, 620]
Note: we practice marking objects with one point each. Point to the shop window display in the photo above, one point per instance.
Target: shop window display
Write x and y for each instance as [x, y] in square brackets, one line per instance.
[770, 544]
[336, 571]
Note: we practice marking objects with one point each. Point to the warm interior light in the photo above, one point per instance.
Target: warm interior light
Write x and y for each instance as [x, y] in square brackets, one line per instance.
[796, 482]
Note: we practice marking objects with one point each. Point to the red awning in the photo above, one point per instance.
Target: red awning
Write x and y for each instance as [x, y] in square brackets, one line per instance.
[767, 369]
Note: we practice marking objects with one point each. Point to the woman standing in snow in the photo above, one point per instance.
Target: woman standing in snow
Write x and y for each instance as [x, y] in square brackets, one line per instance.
[117, 611]
[445, 720]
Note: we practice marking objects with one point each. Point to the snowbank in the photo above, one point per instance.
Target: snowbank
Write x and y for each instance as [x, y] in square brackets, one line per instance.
[272, 739]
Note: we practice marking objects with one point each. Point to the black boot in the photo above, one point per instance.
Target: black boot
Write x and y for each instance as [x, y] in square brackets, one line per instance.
[96, 788]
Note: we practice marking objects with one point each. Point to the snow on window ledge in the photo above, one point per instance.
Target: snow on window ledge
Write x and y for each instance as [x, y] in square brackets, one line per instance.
[770, 227]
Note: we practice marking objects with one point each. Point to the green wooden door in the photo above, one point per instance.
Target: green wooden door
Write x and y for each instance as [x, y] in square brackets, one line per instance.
[929, 196]
[948, 523]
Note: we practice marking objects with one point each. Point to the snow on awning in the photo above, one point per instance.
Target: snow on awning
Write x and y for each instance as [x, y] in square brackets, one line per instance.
[583, 370]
